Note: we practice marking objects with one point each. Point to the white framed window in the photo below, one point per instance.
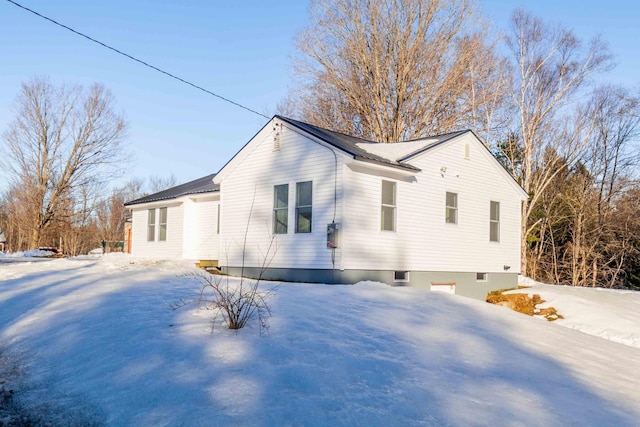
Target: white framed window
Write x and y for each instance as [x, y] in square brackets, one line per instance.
[494, 222]
[304, 211]
[162, 232]
[481, 277]
[151, 225]
[400, 276]
[281, 209]
[388, 209]
[451, 213]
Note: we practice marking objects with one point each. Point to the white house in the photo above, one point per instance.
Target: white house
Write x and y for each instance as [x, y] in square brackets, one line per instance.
[438, 212]
[181, 222]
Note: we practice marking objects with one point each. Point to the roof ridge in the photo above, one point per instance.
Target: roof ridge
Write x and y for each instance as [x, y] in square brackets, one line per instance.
[440, 135]
[327, 130]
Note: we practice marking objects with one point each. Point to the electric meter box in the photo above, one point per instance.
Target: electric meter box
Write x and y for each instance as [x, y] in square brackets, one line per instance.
[332, 235]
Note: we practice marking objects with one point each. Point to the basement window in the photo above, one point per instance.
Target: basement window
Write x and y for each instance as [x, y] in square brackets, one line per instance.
[400, 276]
[481, 277]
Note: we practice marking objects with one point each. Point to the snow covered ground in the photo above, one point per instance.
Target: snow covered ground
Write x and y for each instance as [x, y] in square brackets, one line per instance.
[26, 256]
[607, 313]
[96, 340]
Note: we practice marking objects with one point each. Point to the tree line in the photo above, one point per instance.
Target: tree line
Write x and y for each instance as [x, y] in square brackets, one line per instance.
[60, 154]
[387, 70]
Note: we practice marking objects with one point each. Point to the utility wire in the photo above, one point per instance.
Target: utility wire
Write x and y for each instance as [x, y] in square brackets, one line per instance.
[137, 60]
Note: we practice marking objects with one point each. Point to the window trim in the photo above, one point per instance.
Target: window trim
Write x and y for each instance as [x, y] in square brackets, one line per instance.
[453, 208]
[392, 207]
[162, 238]
[299, 207]
[482, 277]
[218, 220]
[277, 209]
[151, 225]
[493, 221]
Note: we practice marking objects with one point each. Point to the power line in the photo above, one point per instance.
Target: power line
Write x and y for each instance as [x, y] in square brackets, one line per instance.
[137, 60]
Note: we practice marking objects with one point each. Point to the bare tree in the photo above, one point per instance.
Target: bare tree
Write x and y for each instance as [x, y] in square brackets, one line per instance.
[62, 140]
[111, 216]
[158, 183]
[391, 70]
[551, 66]
[600, 248]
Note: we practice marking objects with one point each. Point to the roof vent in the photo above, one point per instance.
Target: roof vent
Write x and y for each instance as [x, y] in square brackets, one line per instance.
[276, 137]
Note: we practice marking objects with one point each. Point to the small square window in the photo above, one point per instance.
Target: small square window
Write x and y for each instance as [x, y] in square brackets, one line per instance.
[400, 276]
[481, 277]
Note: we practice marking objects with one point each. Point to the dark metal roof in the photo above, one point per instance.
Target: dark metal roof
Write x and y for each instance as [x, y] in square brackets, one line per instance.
[197, 186]
[438, 139]
[346, 143]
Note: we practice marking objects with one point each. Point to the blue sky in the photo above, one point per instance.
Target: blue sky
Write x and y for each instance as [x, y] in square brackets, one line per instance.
[239, 50]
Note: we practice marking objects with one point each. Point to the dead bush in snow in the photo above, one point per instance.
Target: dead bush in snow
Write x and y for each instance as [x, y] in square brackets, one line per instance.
[523, 303]
[236, 300]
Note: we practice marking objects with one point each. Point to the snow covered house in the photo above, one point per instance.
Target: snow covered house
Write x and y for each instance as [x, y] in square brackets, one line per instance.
[302, 203]
[180, 222]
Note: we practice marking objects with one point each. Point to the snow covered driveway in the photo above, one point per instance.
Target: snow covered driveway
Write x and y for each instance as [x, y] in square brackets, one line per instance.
[98, 338]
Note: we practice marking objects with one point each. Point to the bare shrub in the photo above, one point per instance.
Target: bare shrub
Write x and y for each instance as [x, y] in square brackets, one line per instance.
[237, 301]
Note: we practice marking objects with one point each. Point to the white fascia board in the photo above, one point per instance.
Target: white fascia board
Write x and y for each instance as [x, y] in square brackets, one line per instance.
[169, 203]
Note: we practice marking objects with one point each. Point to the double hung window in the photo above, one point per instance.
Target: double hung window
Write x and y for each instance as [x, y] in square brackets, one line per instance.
[151, 225]
[280, 209]
[451, 214]
[162, 232]
[388, 209]
[304, 199]
[494, 222]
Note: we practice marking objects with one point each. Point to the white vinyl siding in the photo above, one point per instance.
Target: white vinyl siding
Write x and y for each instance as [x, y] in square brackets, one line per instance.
[304, 202]
[388, 209]
[151, 225]
[172, 248]
[201, 240]
[494, 221]
[248, 200]
[423, 240]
